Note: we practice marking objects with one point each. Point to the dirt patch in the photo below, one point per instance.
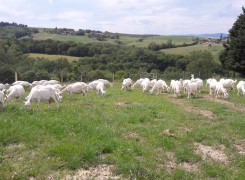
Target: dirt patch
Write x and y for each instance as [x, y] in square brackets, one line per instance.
[100, 172]
[15, 146]
[189, 167]
[87, 105]
[171, 161]
[134, 135]
[208, 152]
[172, 164]
[122, 104]
[240, 147]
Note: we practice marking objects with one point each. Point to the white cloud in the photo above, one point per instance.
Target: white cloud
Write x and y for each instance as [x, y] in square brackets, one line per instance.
[50, 1]
[127, 16]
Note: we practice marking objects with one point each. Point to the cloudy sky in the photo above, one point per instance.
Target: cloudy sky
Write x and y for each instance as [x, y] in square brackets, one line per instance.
[163, 17]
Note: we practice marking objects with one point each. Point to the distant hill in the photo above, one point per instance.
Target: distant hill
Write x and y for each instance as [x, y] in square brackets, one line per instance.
[214, 35]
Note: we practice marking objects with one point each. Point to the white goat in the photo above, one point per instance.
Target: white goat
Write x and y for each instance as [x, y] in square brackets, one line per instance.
[241, 87]
[145, 84]
[126, 84]
[4, 86]
[210, 80]
[105, 82]
[53, 86]
[191, 88]
[50, 82]
[159, 86]
[2, 98]
[198, 81]
[15, 91]
[184, 83]
[176, 86]
[41, 82]
[137, 83]
[41, 93]
[228, 83]
[25, 84]
[220, 89]
[100, 88]
[212, 87]
[76, 88]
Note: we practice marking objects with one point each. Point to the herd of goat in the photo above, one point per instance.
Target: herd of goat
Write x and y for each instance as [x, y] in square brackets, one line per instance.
[53, 91]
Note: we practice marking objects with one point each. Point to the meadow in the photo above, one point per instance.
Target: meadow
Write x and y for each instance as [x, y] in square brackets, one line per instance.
[125, 39]
[53, 57]
[125, 135]
[215, 50]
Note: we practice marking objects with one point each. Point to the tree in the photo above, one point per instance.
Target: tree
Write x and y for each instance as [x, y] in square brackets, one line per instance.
[233, 57]
[201, 64]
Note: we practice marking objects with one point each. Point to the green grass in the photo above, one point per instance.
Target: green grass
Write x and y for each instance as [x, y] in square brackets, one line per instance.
[126, 129]
[58, 37]
[53, 57]
[126, 39]
[214, 49]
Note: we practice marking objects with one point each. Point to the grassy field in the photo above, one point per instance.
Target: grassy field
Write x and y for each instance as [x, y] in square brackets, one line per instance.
[214, 49]
[58, 37]
[126, 39]
[125, 135]
[52, 57]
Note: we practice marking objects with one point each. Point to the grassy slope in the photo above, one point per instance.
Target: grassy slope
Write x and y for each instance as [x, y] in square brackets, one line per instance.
[215, 50]
[124, 129]
[126, 39]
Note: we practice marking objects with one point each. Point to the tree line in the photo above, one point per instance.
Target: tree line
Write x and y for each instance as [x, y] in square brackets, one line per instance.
[156, 47]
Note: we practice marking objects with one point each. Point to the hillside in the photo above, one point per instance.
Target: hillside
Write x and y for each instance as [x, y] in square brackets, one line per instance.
[102, 55]
[214, 49]
[124, 39]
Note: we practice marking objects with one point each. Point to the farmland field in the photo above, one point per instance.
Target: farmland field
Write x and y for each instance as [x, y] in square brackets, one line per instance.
[125, 135]
[126, 39]
[214, 49]
[52, 57]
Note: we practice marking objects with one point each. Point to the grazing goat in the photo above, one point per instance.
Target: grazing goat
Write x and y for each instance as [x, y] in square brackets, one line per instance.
[184, 83]
[126, 84]
[137, 83]
[1, 98]
[50, 82]
[145, 84]
[159, 86]
[105, 82]
[220, 89]
[176, 86]
[241, 87]
[42, 93]
[25, 84]
[4, 86]
[15, 91]
[228, 83]
[191, 88]
[100, 88]
[76, 88]
[198, 81]
[210, 80]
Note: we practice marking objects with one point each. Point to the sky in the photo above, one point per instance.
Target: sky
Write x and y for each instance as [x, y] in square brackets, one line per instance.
[162, 17]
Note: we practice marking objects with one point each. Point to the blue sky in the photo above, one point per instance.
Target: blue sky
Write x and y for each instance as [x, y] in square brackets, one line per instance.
[163, 17]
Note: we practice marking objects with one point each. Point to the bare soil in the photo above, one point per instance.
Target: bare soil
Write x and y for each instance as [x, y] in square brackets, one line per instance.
[214, 153]
[100, 172]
